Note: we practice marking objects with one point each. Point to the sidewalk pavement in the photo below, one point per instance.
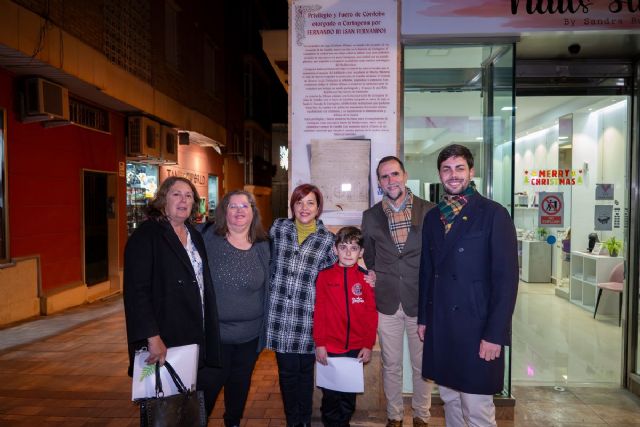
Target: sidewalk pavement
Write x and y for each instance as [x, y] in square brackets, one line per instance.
[70, 369]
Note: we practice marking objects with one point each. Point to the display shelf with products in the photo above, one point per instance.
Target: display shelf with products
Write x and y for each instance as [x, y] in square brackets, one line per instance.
[142, 183]
[587, 270]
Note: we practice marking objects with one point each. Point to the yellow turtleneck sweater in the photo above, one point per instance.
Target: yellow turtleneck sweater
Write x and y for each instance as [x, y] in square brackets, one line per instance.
[304, 230]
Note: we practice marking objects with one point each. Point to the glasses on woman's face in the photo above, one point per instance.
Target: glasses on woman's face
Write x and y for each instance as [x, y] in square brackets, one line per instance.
[238, 206]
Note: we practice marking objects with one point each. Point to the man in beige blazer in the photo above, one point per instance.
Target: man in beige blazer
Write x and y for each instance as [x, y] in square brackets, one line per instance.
[392, 232]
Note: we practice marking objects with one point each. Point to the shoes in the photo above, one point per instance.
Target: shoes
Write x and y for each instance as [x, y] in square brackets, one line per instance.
[419, 422]
[394, 423]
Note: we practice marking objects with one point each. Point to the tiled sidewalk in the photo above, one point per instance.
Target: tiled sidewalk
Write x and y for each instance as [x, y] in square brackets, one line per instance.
[70, 370]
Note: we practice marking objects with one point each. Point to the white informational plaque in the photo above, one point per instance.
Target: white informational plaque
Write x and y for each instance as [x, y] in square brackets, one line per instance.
[344, 82]
[341, 374]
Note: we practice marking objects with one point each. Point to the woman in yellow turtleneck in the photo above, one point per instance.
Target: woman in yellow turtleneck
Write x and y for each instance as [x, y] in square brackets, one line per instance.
[301, 247]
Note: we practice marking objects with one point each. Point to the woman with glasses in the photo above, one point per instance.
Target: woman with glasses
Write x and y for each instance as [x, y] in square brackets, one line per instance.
[238, 253]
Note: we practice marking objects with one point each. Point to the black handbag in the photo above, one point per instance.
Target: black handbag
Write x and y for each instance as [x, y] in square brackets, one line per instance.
[185, 409]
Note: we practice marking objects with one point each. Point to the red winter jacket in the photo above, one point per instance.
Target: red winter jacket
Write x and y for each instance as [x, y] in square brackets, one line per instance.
[345, 316]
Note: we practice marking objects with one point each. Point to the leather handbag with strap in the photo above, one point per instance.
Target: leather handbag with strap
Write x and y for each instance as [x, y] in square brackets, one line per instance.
[185, 409]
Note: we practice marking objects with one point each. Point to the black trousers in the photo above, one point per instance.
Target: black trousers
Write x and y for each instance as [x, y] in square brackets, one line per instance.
[338, 406]
[295, 372]
[238, 361]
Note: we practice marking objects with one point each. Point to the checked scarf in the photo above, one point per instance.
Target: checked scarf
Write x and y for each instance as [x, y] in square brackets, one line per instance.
[452, 204]
[400, 220]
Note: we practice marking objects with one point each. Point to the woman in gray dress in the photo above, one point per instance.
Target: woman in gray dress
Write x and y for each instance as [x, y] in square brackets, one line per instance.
[238, 253]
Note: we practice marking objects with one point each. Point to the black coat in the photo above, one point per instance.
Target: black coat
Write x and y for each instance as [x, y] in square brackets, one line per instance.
[468, 287]
[161, 295]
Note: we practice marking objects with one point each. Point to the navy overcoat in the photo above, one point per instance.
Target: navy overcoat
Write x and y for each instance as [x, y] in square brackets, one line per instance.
[468, 287]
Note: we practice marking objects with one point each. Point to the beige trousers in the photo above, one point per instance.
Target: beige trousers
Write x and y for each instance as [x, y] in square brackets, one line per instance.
[391, 331]
[467, 410]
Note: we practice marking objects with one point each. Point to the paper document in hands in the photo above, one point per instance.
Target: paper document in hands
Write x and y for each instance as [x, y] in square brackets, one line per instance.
[184, 360]
[341, 374]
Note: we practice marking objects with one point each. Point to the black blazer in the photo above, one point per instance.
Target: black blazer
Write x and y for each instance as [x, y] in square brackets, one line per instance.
[468, 287]
[161, 295]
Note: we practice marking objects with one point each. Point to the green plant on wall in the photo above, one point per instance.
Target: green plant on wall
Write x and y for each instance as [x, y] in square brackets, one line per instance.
[613, 245]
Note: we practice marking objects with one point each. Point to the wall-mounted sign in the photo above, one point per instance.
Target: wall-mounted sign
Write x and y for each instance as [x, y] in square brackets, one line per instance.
[604, 191]
[196, 177]
[466, 17]
[344, 68]
[551, 210]
[603, 218]
[616, 217]
[554, 177]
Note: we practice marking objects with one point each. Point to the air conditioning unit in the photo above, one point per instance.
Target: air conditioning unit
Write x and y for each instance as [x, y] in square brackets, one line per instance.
[44, 100]
[169, 145]
[144, 138]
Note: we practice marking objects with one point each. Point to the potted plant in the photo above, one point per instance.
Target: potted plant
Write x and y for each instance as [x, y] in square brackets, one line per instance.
[613, 245]
[542, 233]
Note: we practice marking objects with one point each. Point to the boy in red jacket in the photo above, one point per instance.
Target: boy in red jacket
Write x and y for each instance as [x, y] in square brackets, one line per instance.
[345, 320]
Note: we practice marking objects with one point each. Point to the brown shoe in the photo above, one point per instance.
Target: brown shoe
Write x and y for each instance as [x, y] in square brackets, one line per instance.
[394, 423]
[418, 422]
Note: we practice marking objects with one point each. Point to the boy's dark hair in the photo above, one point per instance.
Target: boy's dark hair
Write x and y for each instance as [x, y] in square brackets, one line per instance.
[349, 235]
[455, 150]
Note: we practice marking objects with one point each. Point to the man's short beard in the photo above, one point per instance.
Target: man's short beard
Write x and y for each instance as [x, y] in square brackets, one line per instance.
[401, 194]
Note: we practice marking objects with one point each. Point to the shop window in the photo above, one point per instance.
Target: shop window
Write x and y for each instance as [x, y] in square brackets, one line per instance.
[4, 223]
[213, 195]
[142, 183]
[572, 187]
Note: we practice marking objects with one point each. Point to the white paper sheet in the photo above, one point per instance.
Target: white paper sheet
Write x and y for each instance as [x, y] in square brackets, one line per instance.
[184, 360]
[341, 374]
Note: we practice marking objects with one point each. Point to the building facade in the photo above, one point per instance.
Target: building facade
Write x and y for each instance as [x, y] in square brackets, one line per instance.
[100, 102]
[545, 96]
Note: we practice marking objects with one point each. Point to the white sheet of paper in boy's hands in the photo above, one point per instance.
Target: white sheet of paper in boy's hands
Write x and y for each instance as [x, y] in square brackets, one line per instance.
[341, 374]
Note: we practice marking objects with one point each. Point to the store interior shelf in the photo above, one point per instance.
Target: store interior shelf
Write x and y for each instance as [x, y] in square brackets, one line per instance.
[587, 270]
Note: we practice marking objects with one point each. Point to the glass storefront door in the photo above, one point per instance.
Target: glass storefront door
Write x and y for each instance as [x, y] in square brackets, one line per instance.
[574, 149]
[633, 270]
[459, 94]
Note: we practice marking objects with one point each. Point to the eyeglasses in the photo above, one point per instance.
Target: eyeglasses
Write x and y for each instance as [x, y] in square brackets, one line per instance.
[238, 206]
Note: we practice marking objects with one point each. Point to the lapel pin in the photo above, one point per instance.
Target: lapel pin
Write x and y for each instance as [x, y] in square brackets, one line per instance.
[464, 218]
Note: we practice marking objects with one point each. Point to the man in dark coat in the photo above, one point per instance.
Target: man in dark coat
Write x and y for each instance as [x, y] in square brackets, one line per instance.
[468, 287]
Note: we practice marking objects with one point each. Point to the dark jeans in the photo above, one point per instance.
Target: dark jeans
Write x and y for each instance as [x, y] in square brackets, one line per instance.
[238, 361]
[338, 406]
[295, 372]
